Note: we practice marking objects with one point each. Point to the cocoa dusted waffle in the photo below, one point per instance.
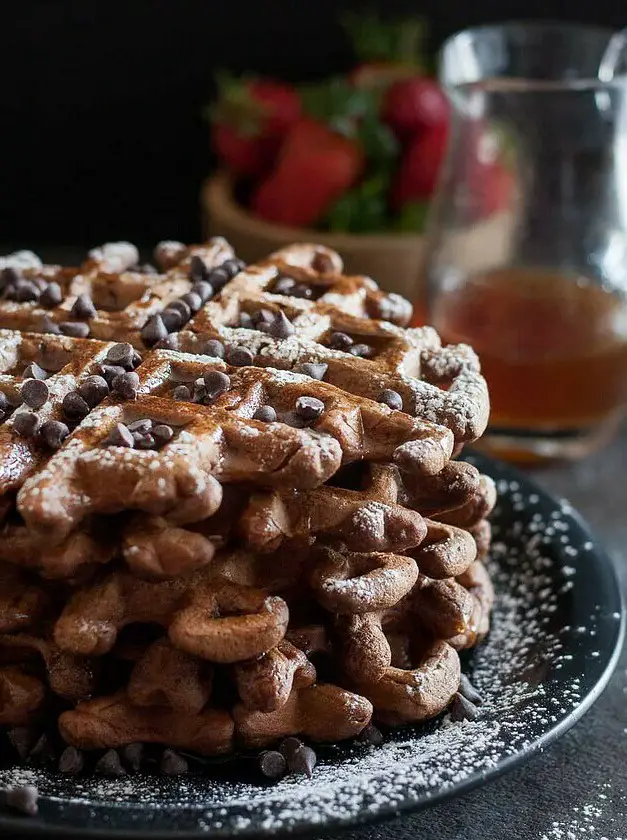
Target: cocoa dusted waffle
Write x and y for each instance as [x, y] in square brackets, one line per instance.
[230, 514]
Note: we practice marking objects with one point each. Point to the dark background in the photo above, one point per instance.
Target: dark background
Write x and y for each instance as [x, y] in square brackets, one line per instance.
[102, 135]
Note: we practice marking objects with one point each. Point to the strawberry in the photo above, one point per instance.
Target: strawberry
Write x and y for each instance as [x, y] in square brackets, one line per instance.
[412, 105]
[493, 187]
[244, 156]
[486, 172]
[417, 177]
[315, 168]
[249, 121]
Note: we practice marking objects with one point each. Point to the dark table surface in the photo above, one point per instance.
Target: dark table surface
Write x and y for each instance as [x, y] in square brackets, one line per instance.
[577, 789]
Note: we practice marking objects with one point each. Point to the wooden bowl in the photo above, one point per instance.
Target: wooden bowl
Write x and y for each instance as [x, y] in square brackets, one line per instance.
[395, 261]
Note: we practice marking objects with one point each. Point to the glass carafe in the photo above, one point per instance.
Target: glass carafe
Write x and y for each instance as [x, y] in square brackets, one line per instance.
[528, 256]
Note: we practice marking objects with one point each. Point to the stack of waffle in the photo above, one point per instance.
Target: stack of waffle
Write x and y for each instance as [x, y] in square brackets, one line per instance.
[228, 503]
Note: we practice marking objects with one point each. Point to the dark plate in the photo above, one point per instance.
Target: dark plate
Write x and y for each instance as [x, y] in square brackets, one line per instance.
[557, 630]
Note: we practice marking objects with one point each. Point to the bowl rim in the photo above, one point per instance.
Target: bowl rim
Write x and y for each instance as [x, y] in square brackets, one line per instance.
[218, 199]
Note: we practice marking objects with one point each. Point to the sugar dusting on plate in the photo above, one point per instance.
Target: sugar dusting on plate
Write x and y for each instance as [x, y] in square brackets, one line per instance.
[513, 670]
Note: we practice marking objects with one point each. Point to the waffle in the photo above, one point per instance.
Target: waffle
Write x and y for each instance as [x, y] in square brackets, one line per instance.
[229, 508]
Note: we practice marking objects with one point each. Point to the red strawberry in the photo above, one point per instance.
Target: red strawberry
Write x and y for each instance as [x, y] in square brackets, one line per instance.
[249, 121]
[412, 105]
[486, 170]
[492, 187]
[315, 168]
[244, 156]
[417, 177]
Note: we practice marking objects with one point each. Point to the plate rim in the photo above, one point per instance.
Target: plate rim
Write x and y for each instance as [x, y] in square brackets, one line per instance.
[28, 827]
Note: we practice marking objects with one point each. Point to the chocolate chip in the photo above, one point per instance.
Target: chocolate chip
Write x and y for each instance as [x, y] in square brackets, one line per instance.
[51, 295]
[340, 341]
[136, 360]
[391, 398]
[182, 393]
[35, 393]
[110, 765]
[110, 372]
[293, 419]
[173, 764]
[303, 760]
[467, 689]
[4, 405]
[463, 709]
[169, 343]
[200, 391]
[218, 278]
[121, 354]
[74, 329]
[25, 291]
[182, 308]
[281, 327]
[43, 751]
[370, 736]
[309, 408]
[83, 307]
[283, 286]
[33, 371]
[192, 300]
[322, 263]
[203, 289]
[47, 325]
[362, 350]
[272, 764]
[144, 425]
[216, 383]
[239, 356]
[53, 433]
[214, 348]
[26, 423]
[300, 290]
[232, 267]
[315, 370]
[133, 755]
[126, 385]
[263, 318]
[172, 319]
[143, 441]
[72, 761]
[265, 413]
[8, 277]
[154, 330]
[93, 389]
[245, 321]
[197, 269]
[74, 407]
[22, 738]
[22, 798]
[162, 434]
[289, 746]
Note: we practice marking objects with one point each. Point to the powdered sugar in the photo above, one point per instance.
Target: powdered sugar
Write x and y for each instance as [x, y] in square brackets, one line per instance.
[21, 261]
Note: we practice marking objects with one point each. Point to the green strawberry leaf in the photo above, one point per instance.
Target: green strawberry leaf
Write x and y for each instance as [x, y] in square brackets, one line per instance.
[336, 103]
[412, 218]
[378, 141]
[398, 41]
[362, 209]
[235, 106]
